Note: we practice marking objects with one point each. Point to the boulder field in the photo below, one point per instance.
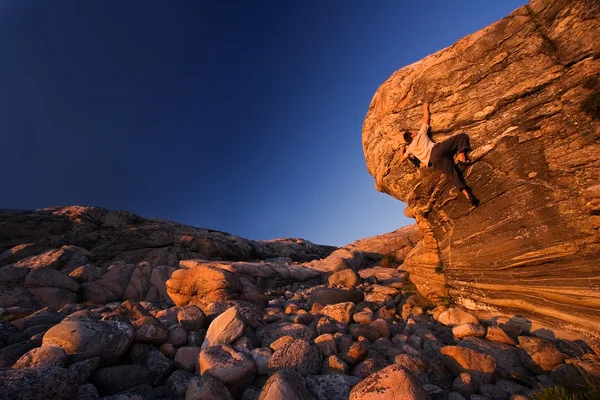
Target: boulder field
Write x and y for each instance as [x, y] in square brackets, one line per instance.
[526, 90]
[467, 304]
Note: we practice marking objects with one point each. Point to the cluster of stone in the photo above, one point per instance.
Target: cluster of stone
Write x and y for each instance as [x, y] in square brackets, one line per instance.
[361, 336]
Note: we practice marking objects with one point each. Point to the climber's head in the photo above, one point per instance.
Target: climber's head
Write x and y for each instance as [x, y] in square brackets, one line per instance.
[408, 136]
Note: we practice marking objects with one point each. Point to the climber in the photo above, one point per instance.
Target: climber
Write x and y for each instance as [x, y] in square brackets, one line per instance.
[440, 155]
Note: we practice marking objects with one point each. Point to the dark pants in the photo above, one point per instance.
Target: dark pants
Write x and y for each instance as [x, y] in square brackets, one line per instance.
[442, 157]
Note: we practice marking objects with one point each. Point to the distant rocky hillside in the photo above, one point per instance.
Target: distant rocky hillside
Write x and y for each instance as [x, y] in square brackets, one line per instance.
[62, 255]
[526, 90]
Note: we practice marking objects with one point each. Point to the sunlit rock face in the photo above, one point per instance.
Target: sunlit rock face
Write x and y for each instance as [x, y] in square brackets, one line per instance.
[526, 90]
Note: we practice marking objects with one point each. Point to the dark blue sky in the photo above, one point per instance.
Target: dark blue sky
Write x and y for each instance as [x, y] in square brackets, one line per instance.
[241, 116]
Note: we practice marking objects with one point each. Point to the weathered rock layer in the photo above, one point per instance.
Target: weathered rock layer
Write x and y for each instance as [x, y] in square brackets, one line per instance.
[527, 91]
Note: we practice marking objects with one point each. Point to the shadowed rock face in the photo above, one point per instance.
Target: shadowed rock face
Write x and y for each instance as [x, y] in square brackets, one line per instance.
[523, 89]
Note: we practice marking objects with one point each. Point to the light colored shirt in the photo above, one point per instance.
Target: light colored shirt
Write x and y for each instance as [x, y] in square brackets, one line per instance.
[421, 146]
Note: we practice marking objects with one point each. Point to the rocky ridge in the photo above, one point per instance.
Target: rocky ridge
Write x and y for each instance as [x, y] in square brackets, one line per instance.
[525, 90]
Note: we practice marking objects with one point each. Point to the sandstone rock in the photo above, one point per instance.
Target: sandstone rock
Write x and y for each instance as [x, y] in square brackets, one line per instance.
[225, 329]
[298, 355]
[389, 383]
[539, 355]
[333, 365]
[364, 317]
[115, 379]
[355, 353]
[234, 369]
[191, 318]
[456, 317]
[460, 359]
[206, 387]
[267, 334]
[476, 330]
[497, 334]
[107, 340]
[201, 285]
[326, 344]
[385, 276]
[281, 342]
[49, 383]
[340, 312]
[538, 211]
[286, 384]
[334, 296]
[331, 387]
[344, 277]
[45, 356]
[507, 358]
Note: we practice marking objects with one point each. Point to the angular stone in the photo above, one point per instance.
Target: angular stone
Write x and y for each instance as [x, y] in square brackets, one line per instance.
[355, 353]
[497, 334]
[539, 355]
[368, 366]
[461, 359]
[340, 312]
[333, 365]
[225, 329]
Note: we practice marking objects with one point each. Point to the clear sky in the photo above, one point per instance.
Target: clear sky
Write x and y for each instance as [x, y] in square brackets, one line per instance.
[240, 116]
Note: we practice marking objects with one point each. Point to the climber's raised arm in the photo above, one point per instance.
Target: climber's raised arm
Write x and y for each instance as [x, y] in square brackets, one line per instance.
[426, 114]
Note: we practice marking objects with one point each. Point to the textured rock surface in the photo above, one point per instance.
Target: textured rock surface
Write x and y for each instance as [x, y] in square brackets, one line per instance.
[37, 384]
[519, 89]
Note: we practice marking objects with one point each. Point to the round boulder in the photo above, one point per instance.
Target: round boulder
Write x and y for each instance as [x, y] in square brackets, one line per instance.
[234, 369]
[392, 382]
[81, 339]
[298, 355]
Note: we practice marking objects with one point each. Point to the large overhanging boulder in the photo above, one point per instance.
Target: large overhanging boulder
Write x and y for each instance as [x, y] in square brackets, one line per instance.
[527, 91]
